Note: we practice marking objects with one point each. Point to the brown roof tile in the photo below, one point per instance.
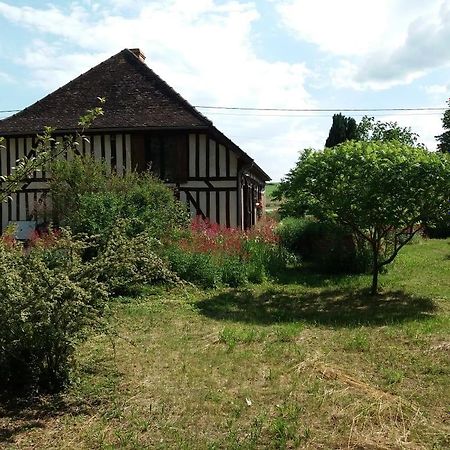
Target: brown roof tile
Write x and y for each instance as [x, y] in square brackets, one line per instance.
[135, 98]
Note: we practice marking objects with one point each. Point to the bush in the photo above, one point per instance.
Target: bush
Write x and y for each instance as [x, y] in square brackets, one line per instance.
[96, 213]
[92, 206]
[72, 179]
[230, 256]
[439, 230]
[331, 248]
[49, 302]
[234, 272]
[197, 268]
[125, 263]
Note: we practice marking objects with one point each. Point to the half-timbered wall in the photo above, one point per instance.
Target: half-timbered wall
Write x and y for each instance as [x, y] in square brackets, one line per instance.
[32, 201]
[211, 189]
[214, 187]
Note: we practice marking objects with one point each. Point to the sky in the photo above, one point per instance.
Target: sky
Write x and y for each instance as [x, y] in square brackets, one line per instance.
[298, 54]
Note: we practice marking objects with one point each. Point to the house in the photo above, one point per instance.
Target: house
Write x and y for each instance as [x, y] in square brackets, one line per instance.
[146, 125]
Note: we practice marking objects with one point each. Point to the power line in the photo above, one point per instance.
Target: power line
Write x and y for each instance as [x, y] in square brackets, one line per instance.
[245, 108]
[242, 108]
[318, 115]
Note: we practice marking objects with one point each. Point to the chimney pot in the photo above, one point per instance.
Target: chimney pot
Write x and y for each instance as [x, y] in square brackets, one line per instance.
[137, 52]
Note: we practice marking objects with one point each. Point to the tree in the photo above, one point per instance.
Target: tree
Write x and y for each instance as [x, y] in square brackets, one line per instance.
[444, 138]
[342, 129]
[369, 130]
[383, 191]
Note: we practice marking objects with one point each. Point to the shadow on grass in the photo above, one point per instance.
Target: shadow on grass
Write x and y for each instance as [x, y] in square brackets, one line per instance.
[338, 308]
[18, 416]
[307, 276]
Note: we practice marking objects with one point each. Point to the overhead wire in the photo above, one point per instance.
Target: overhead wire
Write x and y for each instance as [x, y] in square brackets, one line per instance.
[245, 108]
[308, 110]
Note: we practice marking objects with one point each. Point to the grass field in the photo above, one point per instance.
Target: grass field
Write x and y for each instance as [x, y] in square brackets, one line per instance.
[271, 205]
[308, 362]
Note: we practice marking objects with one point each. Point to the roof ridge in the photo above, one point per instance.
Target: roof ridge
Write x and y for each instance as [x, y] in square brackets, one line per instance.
[164, 83]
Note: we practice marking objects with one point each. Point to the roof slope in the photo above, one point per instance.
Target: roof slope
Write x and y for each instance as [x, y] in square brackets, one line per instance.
[135, 98]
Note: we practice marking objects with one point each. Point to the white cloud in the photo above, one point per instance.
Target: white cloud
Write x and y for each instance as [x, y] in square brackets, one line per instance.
[348, 75]
[6, 78]
[352, 27]
[380, 44]
[203, 49]
[437, 89]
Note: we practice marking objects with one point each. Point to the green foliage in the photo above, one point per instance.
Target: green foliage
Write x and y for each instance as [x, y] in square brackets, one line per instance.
[265, 260]
[90, 200]
[234, 256]
[49, 301]
[197, 268]
[440, 229]
[342, 129]
[383, 191]
[96, 213]
[444, 138]
[126, 263]
[233, 272]
[291, 199]
[330, 247]
[369, 130]
[70, 180]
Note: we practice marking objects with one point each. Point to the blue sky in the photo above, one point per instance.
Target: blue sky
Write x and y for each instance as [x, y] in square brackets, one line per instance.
[266, 53]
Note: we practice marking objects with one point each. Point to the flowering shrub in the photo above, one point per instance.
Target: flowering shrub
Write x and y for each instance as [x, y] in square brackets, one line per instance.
[52, 296]
[124, 264]
[233, 255]
[49, 301]
[211, 238]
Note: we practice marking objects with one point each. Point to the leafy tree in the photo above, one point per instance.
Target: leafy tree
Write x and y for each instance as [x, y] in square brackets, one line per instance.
[383, 191]
[342, 129]
[369, 130]
[444, 138]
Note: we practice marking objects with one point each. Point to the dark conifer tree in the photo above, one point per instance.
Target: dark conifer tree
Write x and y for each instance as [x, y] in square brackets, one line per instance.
[444, 138]
[342, 129]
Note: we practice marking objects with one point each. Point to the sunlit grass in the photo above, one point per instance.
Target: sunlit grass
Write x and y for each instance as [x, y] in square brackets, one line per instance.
[308, 362]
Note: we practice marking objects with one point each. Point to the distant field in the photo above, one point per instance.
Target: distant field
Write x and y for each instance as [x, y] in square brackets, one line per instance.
[308, 362]
[271, 205]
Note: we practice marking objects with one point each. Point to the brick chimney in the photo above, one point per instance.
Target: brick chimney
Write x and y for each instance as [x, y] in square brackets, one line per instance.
[138, 53]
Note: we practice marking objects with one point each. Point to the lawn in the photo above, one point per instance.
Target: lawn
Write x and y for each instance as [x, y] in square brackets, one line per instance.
[307, 362]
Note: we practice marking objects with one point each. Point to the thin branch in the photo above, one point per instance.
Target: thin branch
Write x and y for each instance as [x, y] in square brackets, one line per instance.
[397, 249]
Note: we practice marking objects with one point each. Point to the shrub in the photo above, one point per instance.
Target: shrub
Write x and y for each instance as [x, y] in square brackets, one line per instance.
[439, 230]
[96, 213]
[125, 263]
[198, 268]
[233, 256]
[49, 302]
[233, 272]
[72, 179]
[330, 247]
[93, 206]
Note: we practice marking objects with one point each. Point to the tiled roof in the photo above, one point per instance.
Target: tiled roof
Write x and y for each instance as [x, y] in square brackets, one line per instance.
[135, 98]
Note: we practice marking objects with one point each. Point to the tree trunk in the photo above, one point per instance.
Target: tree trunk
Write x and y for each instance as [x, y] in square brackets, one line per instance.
[375, 270]
[374, 289]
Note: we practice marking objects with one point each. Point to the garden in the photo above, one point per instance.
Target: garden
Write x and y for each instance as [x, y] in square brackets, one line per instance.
[127, 324]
